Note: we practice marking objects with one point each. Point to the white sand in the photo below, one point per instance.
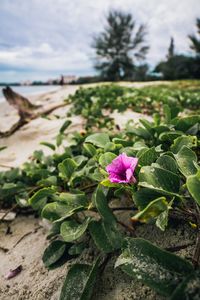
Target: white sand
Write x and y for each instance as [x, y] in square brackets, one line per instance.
[27, 240]
[22, 143]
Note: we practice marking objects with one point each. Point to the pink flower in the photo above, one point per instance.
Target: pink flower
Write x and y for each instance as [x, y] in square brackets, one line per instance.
[122, 168]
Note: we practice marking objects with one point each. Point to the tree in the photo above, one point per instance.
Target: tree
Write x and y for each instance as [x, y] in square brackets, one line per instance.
[118, 46]
[195, 42]
[171, 49]
[179, 67]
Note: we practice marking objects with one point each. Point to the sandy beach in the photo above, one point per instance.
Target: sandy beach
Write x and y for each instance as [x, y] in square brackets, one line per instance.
[27, 240]
[22, 143]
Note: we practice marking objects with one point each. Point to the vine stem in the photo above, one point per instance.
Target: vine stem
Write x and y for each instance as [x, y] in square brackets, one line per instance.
[8, 211]
[196, 255]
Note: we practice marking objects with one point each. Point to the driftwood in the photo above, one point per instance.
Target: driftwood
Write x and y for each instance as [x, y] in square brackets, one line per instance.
[26, 110]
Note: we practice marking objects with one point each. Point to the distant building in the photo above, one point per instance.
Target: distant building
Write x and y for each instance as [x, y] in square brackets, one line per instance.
[67, 79]
[27, 82]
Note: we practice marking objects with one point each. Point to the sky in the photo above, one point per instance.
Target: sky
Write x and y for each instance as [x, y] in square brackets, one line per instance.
[41, 39]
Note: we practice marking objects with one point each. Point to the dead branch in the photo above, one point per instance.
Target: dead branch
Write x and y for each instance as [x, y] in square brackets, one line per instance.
[26, 110]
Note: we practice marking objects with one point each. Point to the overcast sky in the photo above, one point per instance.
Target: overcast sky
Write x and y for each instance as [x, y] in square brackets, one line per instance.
[41, 39]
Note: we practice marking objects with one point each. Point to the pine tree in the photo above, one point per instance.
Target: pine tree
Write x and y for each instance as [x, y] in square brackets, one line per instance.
[118, 46]
[195, 42]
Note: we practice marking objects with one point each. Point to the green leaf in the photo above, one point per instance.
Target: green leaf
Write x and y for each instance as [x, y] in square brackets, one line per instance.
[168, 163]
[193, 185]
[76, 198]
[49, 145]
[53, 253]
[159, 269]
[169, 136]
[38, 200]
[71, 230]
[56, 211]
[189, 288]
[98, 139]
[162, 220]
[2, 148]
[189, 141]
[143, 197]
[98, 234]
[48, 182]
[59, 139]
[106, 236]
[67, 168]
[160, 180]
[167, 113]
[106, 158]
[89, 150]
[186, 159]
[80, 160]
[102, 206]
[148, 157]
[153, 209]
[108, 183]
[141, 132]
[77, 249]
[79, 282]
[186, 123]
[65, 125]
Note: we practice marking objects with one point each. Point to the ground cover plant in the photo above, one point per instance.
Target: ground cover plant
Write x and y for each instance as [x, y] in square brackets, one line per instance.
[151, 171]
[93, 103]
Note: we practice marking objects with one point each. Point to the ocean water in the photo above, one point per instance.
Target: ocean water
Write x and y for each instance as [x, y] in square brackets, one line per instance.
[30, 90]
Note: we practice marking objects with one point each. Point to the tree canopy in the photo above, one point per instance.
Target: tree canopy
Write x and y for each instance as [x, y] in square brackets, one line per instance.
[195, 41]
[119, 46]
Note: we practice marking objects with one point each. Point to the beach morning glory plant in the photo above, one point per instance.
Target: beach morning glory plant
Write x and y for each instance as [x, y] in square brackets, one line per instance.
[121, 169]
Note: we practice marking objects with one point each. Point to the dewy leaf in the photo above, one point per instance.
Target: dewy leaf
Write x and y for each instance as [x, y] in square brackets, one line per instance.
[53, 253]
[159, 179]
[168, 163]
[141, 132]
[71, 230]
[98, 139]
[159, 269]
[97, 231]
[67, 168]
[189, 141]
[162, 220]
[153, 209]
[148, 157]
[186, 123]
[169, 136]
[188, 289]
[102, 206]
[38, 200]
[186, 159]
[59, 211]
[106, 158]
[143, 197]
[79, 282]
[193, 185]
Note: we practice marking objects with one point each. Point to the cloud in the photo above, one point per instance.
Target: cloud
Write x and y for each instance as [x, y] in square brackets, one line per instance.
[52, 37]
